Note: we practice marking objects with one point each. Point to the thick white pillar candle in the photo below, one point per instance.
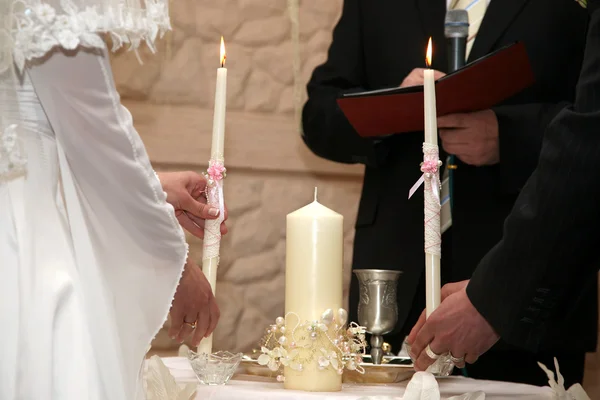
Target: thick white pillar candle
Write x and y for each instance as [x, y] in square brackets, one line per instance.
[313, 284]
[432, 261]
[212, 228]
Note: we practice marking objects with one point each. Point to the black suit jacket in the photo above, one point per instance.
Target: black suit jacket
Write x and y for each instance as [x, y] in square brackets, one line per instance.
[375, 45]
[551, 237]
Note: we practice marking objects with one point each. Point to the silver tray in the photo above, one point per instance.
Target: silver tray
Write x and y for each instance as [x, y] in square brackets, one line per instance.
[393, 369]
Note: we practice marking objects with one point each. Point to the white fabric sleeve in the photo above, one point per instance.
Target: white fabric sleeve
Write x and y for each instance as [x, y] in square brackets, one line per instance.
[129, 248]
[105, 153]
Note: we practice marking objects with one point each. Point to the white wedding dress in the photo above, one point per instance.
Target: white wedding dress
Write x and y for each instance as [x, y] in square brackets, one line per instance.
[90, 252]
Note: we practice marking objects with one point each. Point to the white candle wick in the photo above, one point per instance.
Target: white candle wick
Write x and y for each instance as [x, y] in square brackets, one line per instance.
[315, 193]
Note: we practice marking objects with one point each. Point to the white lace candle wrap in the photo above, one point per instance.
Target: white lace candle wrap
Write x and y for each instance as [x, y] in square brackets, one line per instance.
[214, 197]
[433, 236]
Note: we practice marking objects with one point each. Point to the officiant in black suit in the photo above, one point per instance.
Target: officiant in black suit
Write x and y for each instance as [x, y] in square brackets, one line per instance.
[379, 44]
[550, 242]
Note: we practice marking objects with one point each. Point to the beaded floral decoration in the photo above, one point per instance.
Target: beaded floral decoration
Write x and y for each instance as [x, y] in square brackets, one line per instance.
[38, 27]
[325, 342]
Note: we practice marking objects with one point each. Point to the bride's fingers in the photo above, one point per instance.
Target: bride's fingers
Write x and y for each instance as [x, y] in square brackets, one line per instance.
[189, 225]
[201, 198]
[176, 322]
[200, 222]
[198, 336]
[203, 323]
[187, 328]
[197, 207]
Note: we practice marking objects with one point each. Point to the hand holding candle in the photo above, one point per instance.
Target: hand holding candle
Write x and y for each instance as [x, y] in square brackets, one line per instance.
[215, 174]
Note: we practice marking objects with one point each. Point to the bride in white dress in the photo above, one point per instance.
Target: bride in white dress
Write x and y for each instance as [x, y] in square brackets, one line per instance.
[90, 251]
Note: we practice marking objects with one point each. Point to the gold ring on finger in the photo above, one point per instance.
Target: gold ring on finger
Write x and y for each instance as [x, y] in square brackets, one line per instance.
[191, 324]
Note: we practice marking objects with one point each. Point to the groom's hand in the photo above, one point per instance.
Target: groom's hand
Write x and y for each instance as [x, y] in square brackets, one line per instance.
[186, 192]
[473, 137]
[456, 327]
[194, 303]
[447, 290]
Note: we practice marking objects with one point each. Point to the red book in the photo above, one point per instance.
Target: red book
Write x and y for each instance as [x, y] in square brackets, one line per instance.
[477, 86]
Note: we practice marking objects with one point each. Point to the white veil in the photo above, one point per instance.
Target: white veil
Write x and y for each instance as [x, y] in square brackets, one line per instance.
[31, 28]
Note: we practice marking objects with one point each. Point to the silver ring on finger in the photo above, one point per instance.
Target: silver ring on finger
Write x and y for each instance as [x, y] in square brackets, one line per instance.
[431, 354]
[456, 360]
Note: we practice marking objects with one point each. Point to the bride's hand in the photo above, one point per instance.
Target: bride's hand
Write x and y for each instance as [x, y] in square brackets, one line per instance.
[193, 303]
[186, 192]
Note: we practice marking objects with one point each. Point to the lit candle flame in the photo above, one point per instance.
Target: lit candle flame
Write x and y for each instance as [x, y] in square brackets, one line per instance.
[428, 58]
[223, 53]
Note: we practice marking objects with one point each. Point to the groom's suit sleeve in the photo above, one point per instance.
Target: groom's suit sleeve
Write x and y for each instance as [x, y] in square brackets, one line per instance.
[532, 279]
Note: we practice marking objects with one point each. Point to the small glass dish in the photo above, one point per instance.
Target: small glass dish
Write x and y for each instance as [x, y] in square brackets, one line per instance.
[214, 369]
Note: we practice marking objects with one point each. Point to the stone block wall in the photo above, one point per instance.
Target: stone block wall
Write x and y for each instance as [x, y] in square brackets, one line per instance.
[270, 172]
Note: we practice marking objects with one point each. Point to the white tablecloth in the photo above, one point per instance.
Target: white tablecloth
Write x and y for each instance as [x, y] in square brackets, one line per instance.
[256, 388]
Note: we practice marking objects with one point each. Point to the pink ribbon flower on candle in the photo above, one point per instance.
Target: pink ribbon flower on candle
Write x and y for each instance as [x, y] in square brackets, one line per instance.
[430, 167]
[216, 172]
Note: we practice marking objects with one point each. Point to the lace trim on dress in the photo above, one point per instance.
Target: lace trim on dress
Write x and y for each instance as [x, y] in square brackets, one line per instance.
[37, 28]
[13, 162]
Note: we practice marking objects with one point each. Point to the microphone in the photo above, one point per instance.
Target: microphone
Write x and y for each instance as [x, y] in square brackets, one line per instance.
[456, 30]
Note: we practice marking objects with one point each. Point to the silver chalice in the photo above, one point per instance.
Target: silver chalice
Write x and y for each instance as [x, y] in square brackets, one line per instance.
[377, 306]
